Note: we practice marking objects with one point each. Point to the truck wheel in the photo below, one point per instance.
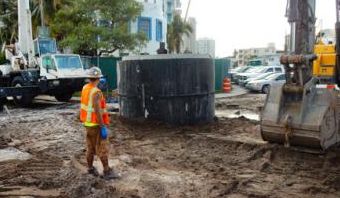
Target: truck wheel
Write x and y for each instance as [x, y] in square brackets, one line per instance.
[65, 97]
[266, 89]
[25, 99]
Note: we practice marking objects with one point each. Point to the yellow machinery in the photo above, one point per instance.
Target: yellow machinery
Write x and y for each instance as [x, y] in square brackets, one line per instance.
[324, 65]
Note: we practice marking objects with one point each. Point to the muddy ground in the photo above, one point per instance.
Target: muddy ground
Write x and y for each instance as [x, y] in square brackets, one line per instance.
[226, 158]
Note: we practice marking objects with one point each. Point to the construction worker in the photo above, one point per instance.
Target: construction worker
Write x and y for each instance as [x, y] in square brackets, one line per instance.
[94, 116]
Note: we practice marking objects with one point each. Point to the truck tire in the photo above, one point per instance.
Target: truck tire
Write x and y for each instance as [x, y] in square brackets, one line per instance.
[266, 89]
[25, 99]
[65, 97]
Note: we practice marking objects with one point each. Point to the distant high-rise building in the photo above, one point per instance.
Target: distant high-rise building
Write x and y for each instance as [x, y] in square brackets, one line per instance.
[189, 41]
[206, 46]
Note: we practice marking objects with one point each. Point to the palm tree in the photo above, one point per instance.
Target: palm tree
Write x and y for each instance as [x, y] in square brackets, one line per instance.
[176, 30]
[48, 8]
[9, 16]
[8, 21]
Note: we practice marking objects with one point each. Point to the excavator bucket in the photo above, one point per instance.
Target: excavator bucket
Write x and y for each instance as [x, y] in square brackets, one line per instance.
[306, 116]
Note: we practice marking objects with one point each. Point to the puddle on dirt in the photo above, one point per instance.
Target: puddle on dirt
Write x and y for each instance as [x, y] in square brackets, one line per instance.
[11, 153]
[237, 114]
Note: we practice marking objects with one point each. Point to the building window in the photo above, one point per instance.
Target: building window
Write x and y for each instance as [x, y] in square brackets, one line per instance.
[169, 17]
[144, 25]
[159, 30]
[169, 7]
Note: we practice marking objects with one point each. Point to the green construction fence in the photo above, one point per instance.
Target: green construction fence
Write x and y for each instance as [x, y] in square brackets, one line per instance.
[222, 66]
[108, 65]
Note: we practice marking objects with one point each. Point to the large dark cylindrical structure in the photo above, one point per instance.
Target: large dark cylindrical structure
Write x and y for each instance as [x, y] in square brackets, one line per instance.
[177, 89]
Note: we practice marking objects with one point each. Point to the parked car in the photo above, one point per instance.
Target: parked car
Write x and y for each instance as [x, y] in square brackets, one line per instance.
[264, 85]
[251, 70]
[259, 77]
[265, 69]
[235, 71]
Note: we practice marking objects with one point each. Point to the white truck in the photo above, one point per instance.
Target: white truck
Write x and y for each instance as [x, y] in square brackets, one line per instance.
[35, 67]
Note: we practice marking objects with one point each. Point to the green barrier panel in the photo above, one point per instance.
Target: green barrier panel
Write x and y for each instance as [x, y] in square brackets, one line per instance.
[222, 67]
[108, 65]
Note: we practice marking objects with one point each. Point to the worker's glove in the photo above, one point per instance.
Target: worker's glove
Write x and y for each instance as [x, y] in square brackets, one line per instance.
[103, 132]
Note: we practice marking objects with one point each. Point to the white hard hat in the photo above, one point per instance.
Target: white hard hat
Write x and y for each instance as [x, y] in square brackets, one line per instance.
[94, 72]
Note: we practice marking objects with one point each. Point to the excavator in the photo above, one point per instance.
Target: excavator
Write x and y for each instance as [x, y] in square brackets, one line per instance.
[304, 112]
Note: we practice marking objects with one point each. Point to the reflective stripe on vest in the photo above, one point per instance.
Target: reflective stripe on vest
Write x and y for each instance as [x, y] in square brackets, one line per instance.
[86, 108]
[90, 109]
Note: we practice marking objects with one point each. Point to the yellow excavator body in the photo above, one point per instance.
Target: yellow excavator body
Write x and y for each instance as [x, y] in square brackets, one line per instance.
[324, 65]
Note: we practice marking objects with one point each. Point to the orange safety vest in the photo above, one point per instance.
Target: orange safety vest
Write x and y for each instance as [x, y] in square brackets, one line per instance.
[87, 112]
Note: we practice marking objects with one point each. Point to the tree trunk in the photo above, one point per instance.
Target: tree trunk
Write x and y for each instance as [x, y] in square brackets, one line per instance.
[178, 46]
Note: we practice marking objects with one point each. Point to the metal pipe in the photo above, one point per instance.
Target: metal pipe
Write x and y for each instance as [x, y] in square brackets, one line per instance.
[337, 10]
[42, 20]
[292, 38]
[186, 13]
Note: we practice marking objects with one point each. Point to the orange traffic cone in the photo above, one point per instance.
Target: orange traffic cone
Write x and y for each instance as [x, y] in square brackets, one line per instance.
[226, 85]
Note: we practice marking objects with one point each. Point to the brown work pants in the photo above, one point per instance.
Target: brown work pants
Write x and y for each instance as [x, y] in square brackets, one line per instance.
[96, 146]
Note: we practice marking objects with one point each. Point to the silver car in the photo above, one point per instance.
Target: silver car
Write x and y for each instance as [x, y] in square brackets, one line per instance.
[235, 72]
[261, 70]
[259, 77]
[264, 85]
[251, 70]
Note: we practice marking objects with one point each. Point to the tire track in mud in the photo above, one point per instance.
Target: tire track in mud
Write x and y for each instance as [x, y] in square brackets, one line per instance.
[50, 135]
[47, 129]
[39, 171]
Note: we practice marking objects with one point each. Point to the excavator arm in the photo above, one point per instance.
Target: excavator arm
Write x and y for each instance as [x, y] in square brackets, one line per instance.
[298, 63]
[299, 113]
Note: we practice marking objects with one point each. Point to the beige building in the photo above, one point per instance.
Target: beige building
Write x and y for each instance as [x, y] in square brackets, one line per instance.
[243, 56]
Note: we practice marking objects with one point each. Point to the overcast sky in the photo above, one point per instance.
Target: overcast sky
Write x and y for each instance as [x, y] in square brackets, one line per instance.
[236, 24]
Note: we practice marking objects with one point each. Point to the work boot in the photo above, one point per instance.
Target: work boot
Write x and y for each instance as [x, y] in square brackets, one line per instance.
[93, 171]
[110, 174]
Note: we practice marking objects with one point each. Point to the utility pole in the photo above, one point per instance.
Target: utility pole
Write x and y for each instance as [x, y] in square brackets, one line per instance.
[186, 13]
